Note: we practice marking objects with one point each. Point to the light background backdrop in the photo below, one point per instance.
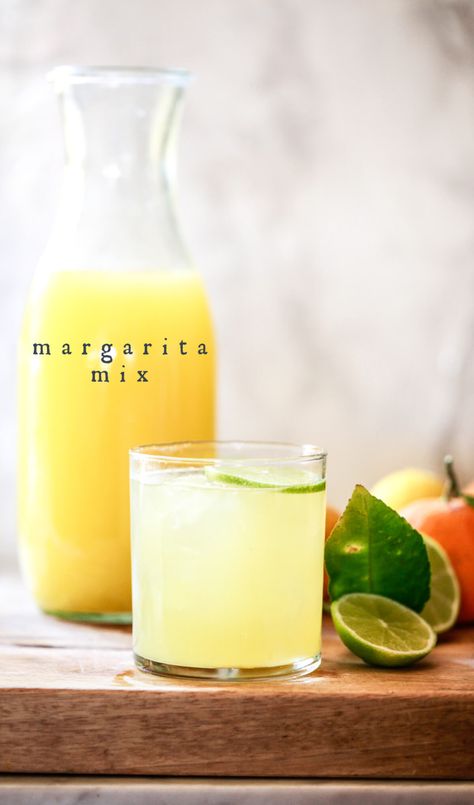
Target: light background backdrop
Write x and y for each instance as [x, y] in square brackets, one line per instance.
[327, 192]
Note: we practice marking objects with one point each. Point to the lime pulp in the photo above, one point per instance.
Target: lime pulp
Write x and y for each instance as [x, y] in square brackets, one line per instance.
[381, 631]
[442, 608]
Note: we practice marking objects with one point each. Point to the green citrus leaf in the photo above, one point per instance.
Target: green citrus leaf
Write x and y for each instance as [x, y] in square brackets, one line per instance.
[469, 499]
[372, 549]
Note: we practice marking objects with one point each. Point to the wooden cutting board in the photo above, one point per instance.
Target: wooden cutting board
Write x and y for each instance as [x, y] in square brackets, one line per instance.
[72, 702]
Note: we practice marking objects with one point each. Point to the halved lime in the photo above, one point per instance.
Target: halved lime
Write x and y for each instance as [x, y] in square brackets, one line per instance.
[381, 631]
[442, 609]
[283, 479]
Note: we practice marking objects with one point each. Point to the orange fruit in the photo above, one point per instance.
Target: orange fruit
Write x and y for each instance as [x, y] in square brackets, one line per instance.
[332, 516]
[450, 521]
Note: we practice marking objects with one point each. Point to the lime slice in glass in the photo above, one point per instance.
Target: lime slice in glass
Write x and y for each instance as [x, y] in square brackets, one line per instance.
[381, 631]
[442, 608]
[282, 479]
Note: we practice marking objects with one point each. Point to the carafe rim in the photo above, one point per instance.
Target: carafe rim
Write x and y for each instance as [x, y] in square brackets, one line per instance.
[65, 74]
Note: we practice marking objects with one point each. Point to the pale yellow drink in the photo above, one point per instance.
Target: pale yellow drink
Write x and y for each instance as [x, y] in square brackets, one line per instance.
[75, 432]
[224, 575]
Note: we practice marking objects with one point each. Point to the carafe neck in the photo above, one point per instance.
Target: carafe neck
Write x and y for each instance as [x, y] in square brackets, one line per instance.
[118, 207]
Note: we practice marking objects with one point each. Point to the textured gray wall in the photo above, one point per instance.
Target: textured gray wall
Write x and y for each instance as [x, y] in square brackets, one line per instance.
[327, 189]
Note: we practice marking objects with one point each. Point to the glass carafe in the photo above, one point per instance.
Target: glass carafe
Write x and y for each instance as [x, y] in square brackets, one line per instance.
[117, 344]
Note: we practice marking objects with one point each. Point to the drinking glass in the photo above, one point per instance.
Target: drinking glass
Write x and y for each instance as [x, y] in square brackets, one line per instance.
[227, 558]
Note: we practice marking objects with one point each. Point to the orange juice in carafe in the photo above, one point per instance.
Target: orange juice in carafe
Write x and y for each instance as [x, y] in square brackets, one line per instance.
[117, 344]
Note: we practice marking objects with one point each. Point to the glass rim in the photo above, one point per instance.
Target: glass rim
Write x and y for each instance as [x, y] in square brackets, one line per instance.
[64, 74]
[304, 452]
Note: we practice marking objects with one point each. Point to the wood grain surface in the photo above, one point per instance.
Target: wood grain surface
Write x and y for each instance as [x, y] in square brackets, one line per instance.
[72, 702]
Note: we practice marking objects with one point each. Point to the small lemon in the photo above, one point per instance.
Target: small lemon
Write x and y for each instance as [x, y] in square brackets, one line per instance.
[402, 487]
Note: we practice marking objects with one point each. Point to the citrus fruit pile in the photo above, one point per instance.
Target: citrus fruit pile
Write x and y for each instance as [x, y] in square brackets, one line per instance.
[394, 581]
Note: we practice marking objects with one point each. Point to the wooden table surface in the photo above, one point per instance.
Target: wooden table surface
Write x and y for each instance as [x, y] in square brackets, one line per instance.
[72, 702]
